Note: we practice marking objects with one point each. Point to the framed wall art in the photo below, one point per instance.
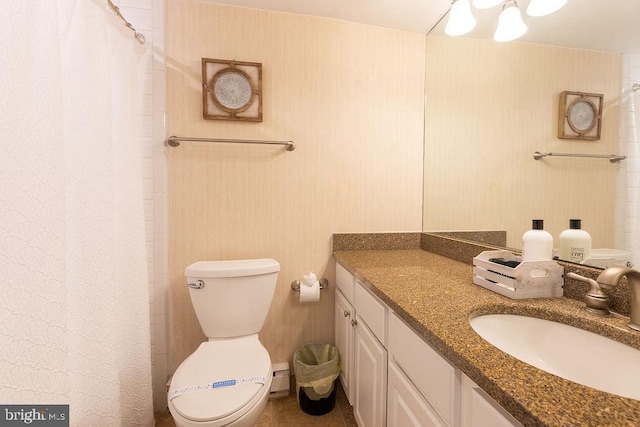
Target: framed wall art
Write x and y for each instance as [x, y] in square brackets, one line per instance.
[231, 90]
[580, 115]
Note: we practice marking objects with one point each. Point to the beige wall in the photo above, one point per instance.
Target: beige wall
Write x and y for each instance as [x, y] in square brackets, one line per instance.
[349, 95]
[490, 106]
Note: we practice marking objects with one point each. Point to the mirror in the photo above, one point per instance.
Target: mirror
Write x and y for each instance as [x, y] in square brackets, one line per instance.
[491, 105]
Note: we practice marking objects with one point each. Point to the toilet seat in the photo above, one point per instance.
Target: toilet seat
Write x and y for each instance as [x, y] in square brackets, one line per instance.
[241, 358]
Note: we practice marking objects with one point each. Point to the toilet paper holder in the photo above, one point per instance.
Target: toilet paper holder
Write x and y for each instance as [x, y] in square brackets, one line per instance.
[324, 284]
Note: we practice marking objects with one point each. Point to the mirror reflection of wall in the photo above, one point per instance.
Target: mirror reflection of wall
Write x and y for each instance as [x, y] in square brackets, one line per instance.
[490, 106]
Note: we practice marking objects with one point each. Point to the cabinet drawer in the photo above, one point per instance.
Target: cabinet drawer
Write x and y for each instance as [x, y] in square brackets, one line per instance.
[405, 405]
[433, 375]
[479, 409]
[372, 311]
[345, 282]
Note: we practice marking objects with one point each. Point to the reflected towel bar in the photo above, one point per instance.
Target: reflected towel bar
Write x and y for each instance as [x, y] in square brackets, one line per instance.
[612, 158]
[174, 141]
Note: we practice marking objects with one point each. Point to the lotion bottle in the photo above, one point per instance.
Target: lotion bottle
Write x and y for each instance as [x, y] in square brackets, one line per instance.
[537, 244]
[575, 243]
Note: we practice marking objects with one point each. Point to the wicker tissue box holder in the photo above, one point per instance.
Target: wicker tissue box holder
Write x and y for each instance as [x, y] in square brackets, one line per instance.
[530, 279]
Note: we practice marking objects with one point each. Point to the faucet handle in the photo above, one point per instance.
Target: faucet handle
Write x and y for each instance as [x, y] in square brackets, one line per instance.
[597, 301]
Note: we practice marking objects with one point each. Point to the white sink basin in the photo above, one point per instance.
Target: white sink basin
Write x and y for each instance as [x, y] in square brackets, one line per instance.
[571, 353]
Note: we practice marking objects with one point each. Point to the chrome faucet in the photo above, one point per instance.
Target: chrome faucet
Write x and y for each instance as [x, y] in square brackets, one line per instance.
[611, 277]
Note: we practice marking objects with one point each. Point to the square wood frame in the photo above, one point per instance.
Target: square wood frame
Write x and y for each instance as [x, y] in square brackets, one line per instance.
[213, 109]
[566, 128]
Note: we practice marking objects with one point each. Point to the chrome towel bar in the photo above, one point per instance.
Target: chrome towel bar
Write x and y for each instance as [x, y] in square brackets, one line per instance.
[174, 141]
[612, 158]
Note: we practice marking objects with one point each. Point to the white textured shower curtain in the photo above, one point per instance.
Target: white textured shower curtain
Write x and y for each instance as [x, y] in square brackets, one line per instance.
[74, 296]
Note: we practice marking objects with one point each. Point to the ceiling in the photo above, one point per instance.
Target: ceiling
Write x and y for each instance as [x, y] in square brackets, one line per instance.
[606, 25]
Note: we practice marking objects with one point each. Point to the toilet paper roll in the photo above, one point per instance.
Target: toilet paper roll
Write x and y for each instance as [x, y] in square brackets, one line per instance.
[310, 293]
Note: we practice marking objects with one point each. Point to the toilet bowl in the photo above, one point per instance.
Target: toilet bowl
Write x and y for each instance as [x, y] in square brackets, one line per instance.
[243, 360]
[227, 380]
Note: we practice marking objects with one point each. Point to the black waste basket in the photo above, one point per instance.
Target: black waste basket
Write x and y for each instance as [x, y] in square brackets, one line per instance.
[316, 366]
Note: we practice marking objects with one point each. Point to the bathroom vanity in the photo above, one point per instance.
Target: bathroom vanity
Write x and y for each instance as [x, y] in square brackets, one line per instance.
[411, 358]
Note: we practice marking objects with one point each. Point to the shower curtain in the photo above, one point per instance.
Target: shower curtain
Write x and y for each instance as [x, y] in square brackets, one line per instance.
[74, 293]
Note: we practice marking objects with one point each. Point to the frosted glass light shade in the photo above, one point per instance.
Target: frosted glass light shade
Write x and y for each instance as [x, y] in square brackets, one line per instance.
[510, 23]
[544, 7]
[461, 20]
[485, 4]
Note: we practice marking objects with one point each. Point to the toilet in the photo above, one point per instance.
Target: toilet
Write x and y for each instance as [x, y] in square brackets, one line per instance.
[227, 380]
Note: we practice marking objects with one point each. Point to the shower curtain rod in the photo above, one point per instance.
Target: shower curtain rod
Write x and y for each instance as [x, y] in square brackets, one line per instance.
[136, 34]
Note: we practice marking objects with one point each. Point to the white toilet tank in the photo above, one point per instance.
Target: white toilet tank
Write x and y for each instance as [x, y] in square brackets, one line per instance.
[234, 297]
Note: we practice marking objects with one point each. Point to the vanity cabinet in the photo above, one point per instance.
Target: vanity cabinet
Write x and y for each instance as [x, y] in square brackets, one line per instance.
[370, 379]
[436, 380]
[406, 407]
[360, 325]
[480, 410]
[392, 377]
[370, 364]
[344, 328]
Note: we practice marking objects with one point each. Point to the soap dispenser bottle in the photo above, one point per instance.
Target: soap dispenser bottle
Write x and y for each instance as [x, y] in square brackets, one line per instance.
[537, 244]
[574, 244]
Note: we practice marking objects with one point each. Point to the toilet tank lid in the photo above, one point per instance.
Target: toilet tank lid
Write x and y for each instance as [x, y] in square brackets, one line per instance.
[232, 268]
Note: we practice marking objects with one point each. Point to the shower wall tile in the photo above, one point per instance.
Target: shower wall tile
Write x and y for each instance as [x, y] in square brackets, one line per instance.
[159, 184]
[147, 171]
[159, 323]
[628, 203]
[146, 147]
[147, 16]
[159, 78]
[140, 4]
[140, 18]
[146, 87]
[159, 298]
[146, 125]
[158, 15]
[158, 126]
[147, 186]
[145, 103]
[159, 211]
[159, 257]
[160, 382]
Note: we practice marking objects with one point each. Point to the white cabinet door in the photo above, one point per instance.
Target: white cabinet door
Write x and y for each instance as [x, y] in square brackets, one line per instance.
[406, 407]
[344, 339]
[480, 410]
[370, 400]
[436, 379]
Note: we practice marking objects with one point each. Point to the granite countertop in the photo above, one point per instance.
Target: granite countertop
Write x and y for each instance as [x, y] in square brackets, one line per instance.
[435, 295]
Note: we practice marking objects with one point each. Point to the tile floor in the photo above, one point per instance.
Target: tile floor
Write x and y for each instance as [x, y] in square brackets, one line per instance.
[286, 412]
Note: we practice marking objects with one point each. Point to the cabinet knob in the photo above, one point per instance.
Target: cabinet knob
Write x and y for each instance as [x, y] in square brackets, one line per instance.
[354, 322]
[346, 313]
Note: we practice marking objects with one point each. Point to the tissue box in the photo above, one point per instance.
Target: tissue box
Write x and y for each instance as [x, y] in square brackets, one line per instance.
[530, 279]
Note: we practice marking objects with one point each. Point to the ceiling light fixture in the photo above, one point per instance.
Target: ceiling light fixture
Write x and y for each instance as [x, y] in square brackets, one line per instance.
[544, 7]
[510, 23]
[461, 20]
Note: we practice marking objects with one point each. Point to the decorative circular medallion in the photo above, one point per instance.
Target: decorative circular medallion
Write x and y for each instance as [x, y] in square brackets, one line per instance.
[232, 89]
[582, 115]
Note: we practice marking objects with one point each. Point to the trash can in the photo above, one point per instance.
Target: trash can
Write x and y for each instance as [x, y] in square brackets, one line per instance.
[316, 367]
